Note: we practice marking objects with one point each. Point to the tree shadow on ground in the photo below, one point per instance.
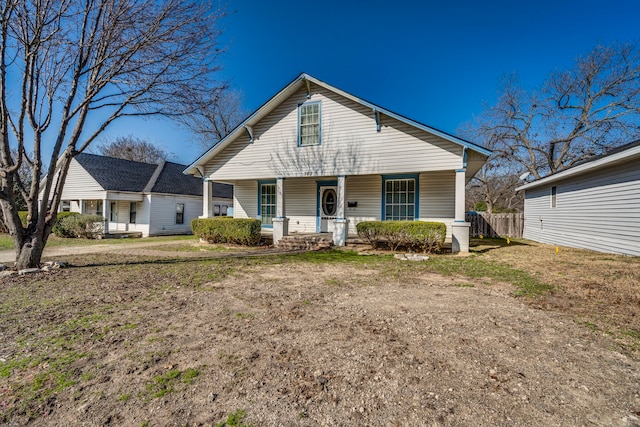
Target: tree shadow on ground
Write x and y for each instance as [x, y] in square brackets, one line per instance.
[480, 246]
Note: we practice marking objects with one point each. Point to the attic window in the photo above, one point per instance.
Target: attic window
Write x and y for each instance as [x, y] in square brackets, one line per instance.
[309, 124]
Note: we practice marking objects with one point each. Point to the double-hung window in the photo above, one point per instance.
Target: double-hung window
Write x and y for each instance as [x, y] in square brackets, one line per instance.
[133, 209]
[180, 213]
[267, 203]
[113, 212]
[309, 124]
[400, 198]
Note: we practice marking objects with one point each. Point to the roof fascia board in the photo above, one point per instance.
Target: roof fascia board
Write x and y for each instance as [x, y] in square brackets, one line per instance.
[576, 170]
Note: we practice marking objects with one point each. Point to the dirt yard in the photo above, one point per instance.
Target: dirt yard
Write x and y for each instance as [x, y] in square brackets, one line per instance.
[323, 339]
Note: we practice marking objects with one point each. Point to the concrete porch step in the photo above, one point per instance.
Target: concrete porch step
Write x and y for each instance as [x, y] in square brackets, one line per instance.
[305, 242]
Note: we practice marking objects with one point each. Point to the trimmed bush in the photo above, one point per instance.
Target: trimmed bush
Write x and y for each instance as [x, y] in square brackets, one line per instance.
[413, 235]
[60, 231]
[241, 231]
[80, 225]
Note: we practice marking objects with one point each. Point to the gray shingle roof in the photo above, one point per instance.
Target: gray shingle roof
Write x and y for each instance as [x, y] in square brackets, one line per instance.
[125, 175]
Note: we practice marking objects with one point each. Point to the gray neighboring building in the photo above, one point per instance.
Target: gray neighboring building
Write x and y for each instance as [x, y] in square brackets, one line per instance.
[593, 205]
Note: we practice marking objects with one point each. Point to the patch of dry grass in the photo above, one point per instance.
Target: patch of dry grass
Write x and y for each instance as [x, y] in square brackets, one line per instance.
[598, 289]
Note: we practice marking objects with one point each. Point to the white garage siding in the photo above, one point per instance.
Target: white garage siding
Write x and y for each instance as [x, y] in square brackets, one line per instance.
[163, 214]
[599, 210]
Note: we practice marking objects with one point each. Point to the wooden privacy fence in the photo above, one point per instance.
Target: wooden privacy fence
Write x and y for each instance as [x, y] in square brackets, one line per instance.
[496, 225]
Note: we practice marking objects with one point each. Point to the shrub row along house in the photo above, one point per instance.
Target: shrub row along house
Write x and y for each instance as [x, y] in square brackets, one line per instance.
[139, 197]
[315, 158]
[594, 205]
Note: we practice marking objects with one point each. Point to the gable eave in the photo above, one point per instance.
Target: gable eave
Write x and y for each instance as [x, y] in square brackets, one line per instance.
[289, 90]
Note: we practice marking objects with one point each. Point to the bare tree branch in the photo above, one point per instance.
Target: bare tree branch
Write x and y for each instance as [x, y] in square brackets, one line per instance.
[98, 59]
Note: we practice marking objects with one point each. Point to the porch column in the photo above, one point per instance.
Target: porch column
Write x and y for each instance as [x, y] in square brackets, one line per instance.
[460, 228]
[106, 208]
[340, 228]
[207, 190]
[280, 222]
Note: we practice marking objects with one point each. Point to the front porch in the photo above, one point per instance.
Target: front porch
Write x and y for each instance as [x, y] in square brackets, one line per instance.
[334, 205]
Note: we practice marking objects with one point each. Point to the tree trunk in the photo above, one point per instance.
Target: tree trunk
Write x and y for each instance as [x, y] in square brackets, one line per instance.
[29, 251]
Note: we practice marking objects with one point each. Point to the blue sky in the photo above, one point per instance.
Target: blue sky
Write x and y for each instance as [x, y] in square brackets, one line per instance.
[435, 62]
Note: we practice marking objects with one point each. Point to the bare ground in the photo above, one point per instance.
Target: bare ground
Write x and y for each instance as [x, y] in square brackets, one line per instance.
[139, 339]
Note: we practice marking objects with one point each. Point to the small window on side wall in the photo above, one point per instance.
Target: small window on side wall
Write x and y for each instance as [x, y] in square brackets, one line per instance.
[133, 210]
[554, 196]
[180, 213]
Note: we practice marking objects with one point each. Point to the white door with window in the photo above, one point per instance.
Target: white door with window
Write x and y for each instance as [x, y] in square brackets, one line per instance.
[328, 207]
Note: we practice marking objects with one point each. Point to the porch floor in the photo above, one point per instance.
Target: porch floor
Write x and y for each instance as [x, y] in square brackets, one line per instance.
[122, 235]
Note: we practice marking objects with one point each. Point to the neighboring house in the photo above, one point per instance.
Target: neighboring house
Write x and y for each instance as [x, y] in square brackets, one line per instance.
[317, 159]
[135, 196]
[593, 205]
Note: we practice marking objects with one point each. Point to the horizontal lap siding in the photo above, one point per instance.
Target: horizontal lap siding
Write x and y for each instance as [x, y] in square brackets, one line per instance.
[300, 204]
[80, 184]
[350, 145]
[122, 215]
[163, 213]
[437, 197]
[599, 211]
[367, 191]
[245, 199]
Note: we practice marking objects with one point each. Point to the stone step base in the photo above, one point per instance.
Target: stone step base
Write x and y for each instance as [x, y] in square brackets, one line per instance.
[309, 243]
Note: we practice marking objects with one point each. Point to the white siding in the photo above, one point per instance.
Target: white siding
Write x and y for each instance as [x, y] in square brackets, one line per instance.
[245, 199]
[163, 213]
[437, 197]
[350, 145]
[367, 192]
[598, 211]
[301, 204]
[123, 211]
[80, 185]
[436, 200]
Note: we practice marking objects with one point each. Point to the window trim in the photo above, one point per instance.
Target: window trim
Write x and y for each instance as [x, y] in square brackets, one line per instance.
[133, 212]
[319, 103]
[113, 213]
[553, 193]
[179, 213]
[416, 207]
[260, 184]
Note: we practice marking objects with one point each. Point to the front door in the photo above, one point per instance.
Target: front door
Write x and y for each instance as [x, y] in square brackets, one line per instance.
[328, 205]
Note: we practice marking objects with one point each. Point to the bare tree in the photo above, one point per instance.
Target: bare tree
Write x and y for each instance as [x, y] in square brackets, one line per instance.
[496, 182]
[133, 148]
[575, 115]
[217, 114]
[91, 59]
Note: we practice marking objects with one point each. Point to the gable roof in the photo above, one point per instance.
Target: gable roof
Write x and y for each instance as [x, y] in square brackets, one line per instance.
[299, 82]
[115, 174]
[617, 155]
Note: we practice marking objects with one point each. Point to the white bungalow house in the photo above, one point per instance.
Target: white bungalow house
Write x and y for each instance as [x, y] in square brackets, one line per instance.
[593, 205]
[152, 199]
[316, 159]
